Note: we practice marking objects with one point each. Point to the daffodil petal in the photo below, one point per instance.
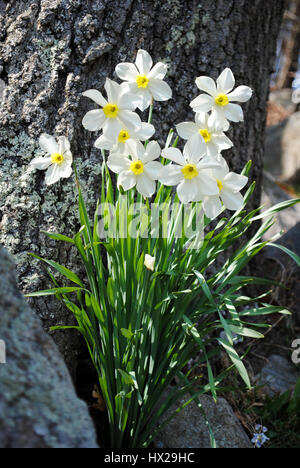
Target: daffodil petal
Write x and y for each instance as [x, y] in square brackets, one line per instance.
[131, 87]
[118, 163]
[152, 152]
[175, 155]
[64, 144]
[136, 149]
[241, 94]
[95, 96]
[202, 103]
[103, 142]
[130, 119]
[40, 163]
[127, 180]
[52, 175]
[153, 169]
[65, 170]
[232, 200]
[68, 157]
[222, 169]
[212, 149]
[48, 144]
[226, 81]
[186, 129]
[143, 62]
[197, 194]
[185, 191]
[145, 185]
[94, 120]
[208, 185]
[217, 120]
[212, 206]
[201, 119]
[121, 148]
[113, 91]
[171, 174]
[208, 163]
[145, 132]
[194, 149]
[158, 71]
[145, 99]
[126, 71]
[222, 142]
[235, 182]
[234, 113]
[128, 101]
[207, 84]
[160, 90]
[112, 128]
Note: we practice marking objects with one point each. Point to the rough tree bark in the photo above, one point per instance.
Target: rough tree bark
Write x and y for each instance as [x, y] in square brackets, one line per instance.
[53, 50]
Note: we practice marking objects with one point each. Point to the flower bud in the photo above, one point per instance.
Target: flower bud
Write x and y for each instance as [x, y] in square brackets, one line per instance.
[149, 262]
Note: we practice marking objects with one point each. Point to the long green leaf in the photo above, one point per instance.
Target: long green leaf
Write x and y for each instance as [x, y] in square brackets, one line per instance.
[294, 256]
[233, 355]
[59, 237]
[52, 292]
[61, 269]
[275, 209]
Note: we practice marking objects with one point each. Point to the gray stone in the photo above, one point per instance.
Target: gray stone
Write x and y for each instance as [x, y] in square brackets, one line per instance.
[278, 376]
[282, 148]
[277, 265]
[273, 194]
[273, 149]
[291, 146]
[188, 428]
[283, 98]
[291, 240]
[38, 404]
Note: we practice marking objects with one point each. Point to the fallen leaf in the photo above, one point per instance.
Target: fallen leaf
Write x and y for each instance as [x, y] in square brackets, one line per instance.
[99, 405]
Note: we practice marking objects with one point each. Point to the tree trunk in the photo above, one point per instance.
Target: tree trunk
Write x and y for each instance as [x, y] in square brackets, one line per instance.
[53, 50]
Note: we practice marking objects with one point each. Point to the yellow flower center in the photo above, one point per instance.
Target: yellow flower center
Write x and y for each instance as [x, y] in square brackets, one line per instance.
[142, 81]
[189, 171]
[206, 135]
[222, 100]
[137, 167]
[123, 136]
[57, 158]
[111, 111]
[220, 184]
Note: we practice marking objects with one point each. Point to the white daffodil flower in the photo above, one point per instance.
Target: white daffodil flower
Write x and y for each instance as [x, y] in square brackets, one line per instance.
[220, 97]
[144, 81]
[58, 159]
[190, 173]
[149, 262]
[229, 186]
[204, 134]
[115, 113]
[141, 170]
[118, 144]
